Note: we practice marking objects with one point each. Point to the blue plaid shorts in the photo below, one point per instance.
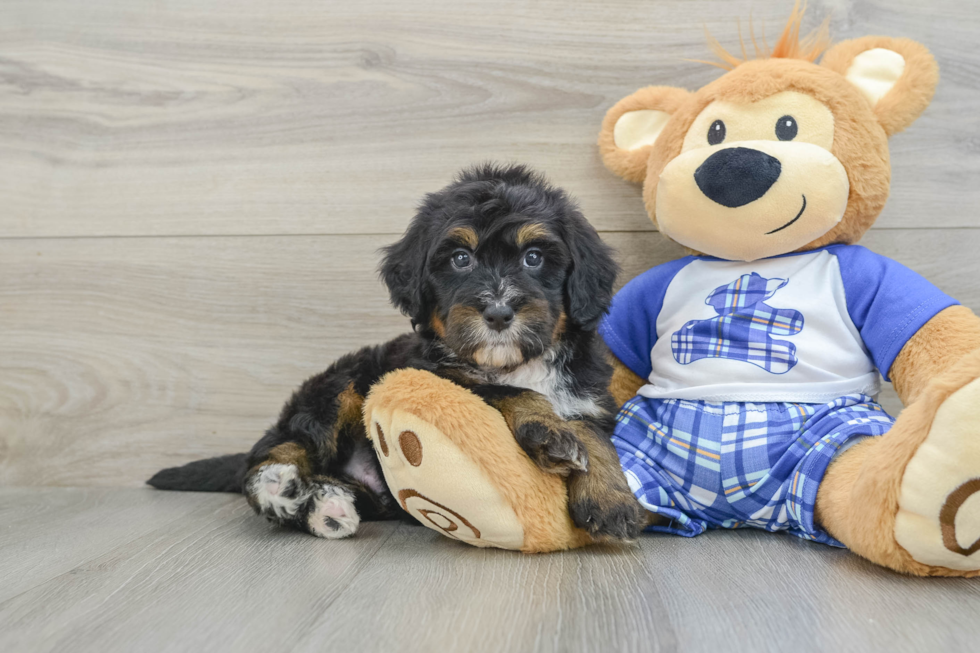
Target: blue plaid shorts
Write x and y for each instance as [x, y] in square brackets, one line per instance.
[734, 465]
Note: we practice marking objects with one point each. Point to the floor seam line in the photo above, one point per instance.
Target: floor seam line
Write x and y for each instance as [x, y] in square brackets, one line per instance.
[88, 560]
[358, 569]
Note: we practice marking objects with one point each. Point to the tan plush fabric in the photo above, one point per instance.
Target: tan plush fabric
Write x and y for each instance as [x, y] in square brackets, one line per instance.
[858, 500]
[950, 335]
[901, 488]
[813, 186]
[632, 164]
[470, 465]
[624, 383]
[913, 92]
[860, 129]
[635, 129]
[875, 72]
[755, 121]
[926, 455]
[465, 505]
[859, 142]
[938, 520]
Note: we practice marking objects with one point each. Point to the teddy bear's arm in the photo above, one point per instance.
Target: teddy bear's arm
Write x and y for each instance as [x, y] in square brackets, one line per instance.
[624, 383]
[941, 342]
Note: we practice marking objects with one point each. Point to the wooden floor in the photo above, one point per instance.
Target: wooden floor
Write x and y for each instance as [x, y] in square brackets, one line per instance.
[192, 196]
[135, 570]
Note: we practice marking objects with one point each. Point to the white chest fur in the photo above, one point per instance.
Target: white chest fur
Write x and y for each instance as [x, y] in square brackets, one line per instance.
[537, 375]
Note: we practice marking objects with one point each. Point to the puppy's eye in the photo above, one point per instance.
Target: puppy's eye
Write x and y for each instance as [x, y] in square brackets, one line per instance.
[786, 128]
[716, 132]
[533, 258]
[462, 259]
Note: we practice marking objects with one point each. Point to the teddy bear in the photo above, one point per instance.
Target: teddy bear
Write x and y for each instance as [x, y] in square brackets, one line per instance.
[748, 370]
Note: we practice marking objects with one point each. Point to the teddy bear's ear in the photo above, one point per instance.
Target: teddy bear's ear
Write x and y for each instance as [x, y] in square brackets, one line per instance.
[897, 76]
[632, 126]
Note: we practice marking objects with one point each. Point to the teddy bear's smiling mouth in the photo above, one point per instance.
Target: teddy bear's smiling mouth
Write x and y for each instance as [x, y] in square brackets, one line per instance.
[802, 209]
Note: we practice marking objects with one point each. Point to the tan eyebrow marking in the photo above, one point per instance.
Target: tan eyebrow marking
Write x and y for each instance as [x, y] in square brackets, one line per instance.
[465, 235]
[530, 232]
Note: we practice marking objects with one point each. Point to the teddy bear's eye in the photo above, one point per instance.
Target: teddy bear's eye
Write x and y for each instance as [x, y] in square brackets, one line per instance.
[786, 128]
[716, 132]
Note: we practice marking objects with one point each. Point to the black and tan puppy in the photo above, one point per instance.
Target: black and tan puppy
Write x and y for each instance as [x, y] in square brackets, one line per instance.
[505, 282]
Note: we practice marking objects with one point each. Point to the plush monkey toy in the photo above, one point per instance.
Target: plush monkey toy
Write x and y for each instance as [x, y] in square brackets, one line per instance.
[748, 370]
[751, 366]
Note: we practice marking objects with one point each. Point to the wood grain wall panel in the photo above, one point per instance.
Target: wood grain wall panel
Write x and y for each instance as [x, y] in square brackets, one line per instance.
[135, 118]
[122, 355]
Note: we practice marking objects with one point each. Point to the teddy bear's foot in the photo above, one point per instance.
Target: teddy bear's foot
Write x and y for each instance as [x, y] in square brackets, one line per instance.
[451, 462]
[938, 520]
[910, 499]
[435, 482]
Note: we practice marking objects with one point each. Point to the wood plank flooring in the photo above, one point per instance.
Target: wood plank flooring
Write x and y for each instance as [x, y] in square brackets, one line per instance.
[192, 195]
[220, 579]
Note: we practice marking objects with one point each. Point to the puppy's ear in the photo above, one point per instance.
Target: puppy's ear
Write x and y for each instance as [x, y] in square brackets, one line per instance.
[589, 286]
[897, 76]
[403, 267]
[632, 126]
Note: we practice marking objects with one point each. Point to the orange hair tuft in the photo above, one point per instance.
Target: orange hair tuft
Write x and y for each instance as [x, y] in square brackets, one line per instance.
[789, 45]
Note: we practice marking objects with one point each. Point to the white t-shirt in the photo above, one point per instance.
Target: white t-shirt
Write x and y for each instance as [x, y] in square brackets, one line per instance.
[807, 327]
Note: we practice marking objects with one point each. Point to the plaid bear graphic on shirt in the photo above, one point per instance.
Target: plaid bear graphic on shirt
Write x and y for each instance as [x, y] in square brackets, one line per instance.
[744, 327]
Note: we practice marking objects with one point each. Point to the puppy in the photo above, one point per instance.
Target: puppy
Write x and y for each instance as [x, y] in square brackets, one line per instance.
[505, 282]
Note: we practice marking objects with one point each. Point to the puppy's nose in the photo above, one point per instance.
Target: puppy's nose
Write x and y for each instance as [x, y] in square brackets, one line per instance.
[498, 316]
[735, 176]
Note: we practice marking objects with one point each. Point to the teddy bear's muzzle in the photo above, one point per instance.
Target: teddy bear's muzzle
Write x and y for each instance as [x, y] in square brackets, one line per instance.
[752, 199]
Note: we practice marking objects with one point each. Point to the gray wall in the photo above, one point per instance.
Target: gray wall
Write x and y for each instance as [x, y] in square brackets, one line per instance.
[191, 201]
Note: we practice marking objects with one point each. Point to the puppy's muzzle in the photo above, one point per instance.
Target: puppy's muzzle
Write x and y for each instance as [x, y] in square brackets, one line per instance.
[498, 316]
[736, 176]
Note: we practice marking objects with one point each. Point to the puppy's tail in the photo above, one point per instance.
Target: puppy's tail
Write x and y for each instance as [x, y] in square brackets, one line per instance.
[221, 474]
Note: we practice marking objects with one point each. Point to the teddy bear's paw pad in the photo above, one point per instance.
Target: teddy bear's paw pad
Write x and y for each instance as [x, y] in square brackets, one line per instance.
[938, 520]
[441, 486]
[333, 515]
[278, 490]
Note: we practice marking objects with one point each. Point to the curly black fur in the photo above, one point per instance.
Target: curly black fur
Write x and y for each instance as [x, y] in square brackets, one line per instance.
[490, 216]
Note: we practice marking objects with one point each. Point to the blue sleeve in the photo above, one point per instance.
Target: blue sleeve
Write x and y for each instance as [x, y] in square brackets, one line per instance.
[887, 302]
[630, 328]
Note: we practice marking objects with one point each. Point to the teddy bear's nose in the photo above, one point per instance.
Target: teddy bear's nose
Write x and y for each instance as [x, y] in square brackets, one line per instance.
[736, 176]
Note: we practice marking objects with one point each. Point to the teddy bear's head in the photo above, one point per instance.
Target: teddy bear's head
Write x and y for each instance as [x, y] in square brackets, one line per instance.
[777, 155]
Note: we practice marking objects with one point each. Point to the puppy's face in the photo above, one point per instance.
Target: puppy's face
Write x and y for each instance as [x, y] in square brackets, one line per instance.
[499, 265]
[499, 290]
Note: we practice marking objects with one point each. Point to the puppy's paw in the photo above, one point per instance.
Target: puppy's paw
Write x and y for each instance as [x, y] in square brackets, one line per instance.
[333, 515]
[555, 450]
[612, 512]
[277, 491]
